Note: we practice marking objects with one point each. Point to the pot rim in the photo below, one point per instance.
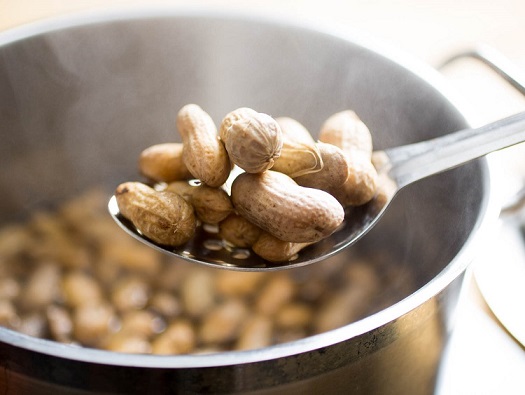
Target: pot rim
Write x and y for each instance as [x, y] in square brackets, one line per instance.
[488, 214]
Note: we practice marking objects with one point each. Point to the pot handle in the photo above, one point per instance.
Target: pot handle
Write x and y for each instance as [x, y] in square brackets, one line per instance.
[496, 61]
[515, 76]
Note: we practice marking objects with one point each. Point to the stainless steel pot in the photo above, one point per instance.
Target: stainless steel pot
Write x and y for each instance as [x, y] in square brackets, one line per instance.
[80, 97]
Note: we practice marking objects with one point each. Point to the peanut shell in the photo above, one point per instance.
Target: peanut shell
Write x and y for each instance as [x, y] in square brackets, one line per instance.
[299, 155]
[163, 162]
[164, 217]
[275, 203]
[253, 140]
[275, 250]
[203, 152]
[346, 131]
[334, 172]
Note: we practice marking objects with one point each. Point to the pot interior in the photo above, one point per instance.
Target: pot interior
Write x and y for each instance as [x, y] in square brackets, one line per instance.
[79, 104]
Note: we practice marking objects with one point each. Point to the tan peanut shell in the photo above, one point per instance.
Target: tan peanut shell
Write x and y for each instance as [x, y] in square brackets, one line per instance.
[203, 153]
[164, 217]
[211, 205]
[346, 131]
[232, 117]
[361, 184]
[238, 231]
[275, 203]
[273, 249]
[163, 162]
[183, 188]
[334, 172]
[253, 140]
[300, 154]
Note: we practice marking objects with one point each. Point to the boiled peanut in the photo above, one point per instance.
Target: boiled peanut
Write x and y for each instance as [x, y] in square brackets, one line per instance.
[183, 188]
[347, 131]
[178, 338]
[256, 333]
[334, 172]
[203, 153]
[273, 249]
[127, 342]
[197, 293]
[211, 205]
[130, 293]
[300, 154]
[8, 315]
[92, 321]
[275, 293]
[42, 288]
[238, 231]
[163, 162]
[294, 315]
[164, 217]
[222, 324]
[141, 322]
[80, 288]
[253, 140]
[361, 185]
[59, 323]
[231, 283]
[232, 117]
[32, 324]
[275, 203]
[165, 304]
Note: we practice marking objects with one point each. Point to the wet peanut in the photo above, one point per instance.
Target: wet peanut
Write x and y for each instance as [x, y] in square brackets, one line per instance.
[165, 304]
[131, 293]
[238, 231]
[346, 131]
[203, 153]
[222, 324]
[59, 323]
[238, 284]
[361, 185]
[256, 333]
[299, 154]
[32, 324]
[128, 342]
[211, 205]
[334, 172]
[42, 288]
[8, 315]
[79, 288]
[178, 338]
[275, 293]
[164, 217]
[273, 249]
[275, 203]
[141, 322]
[197, 293]
[294, 316]
[163, 163]
[92, 322]
[253, 140]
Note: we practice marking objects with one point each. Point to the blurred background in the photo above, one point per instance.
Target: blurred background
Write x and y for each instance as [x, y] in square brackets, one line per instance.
[487, 352]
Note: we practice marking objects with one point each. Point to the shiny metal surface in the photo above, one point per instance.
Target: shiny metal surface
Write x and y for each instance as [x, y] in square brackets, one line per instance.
[81, 97]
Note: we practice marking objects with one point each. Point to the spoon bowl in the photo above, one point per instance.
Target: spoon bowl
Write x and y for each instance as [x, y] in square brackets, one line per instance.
[397, 167]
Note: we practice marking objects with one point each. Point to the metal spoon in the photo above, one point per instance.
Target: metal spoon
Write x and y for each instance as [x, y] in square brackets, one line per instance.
[400, 166]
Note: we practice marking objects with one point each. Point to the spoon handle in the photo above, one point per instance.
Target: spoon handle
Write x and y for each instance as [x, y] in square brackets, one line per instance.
[410, 163]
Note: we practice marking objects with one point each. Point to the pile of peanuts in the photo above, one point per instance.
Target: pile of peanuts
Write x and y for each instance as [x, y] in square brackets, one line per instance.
[71, 275]
[292, 191]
